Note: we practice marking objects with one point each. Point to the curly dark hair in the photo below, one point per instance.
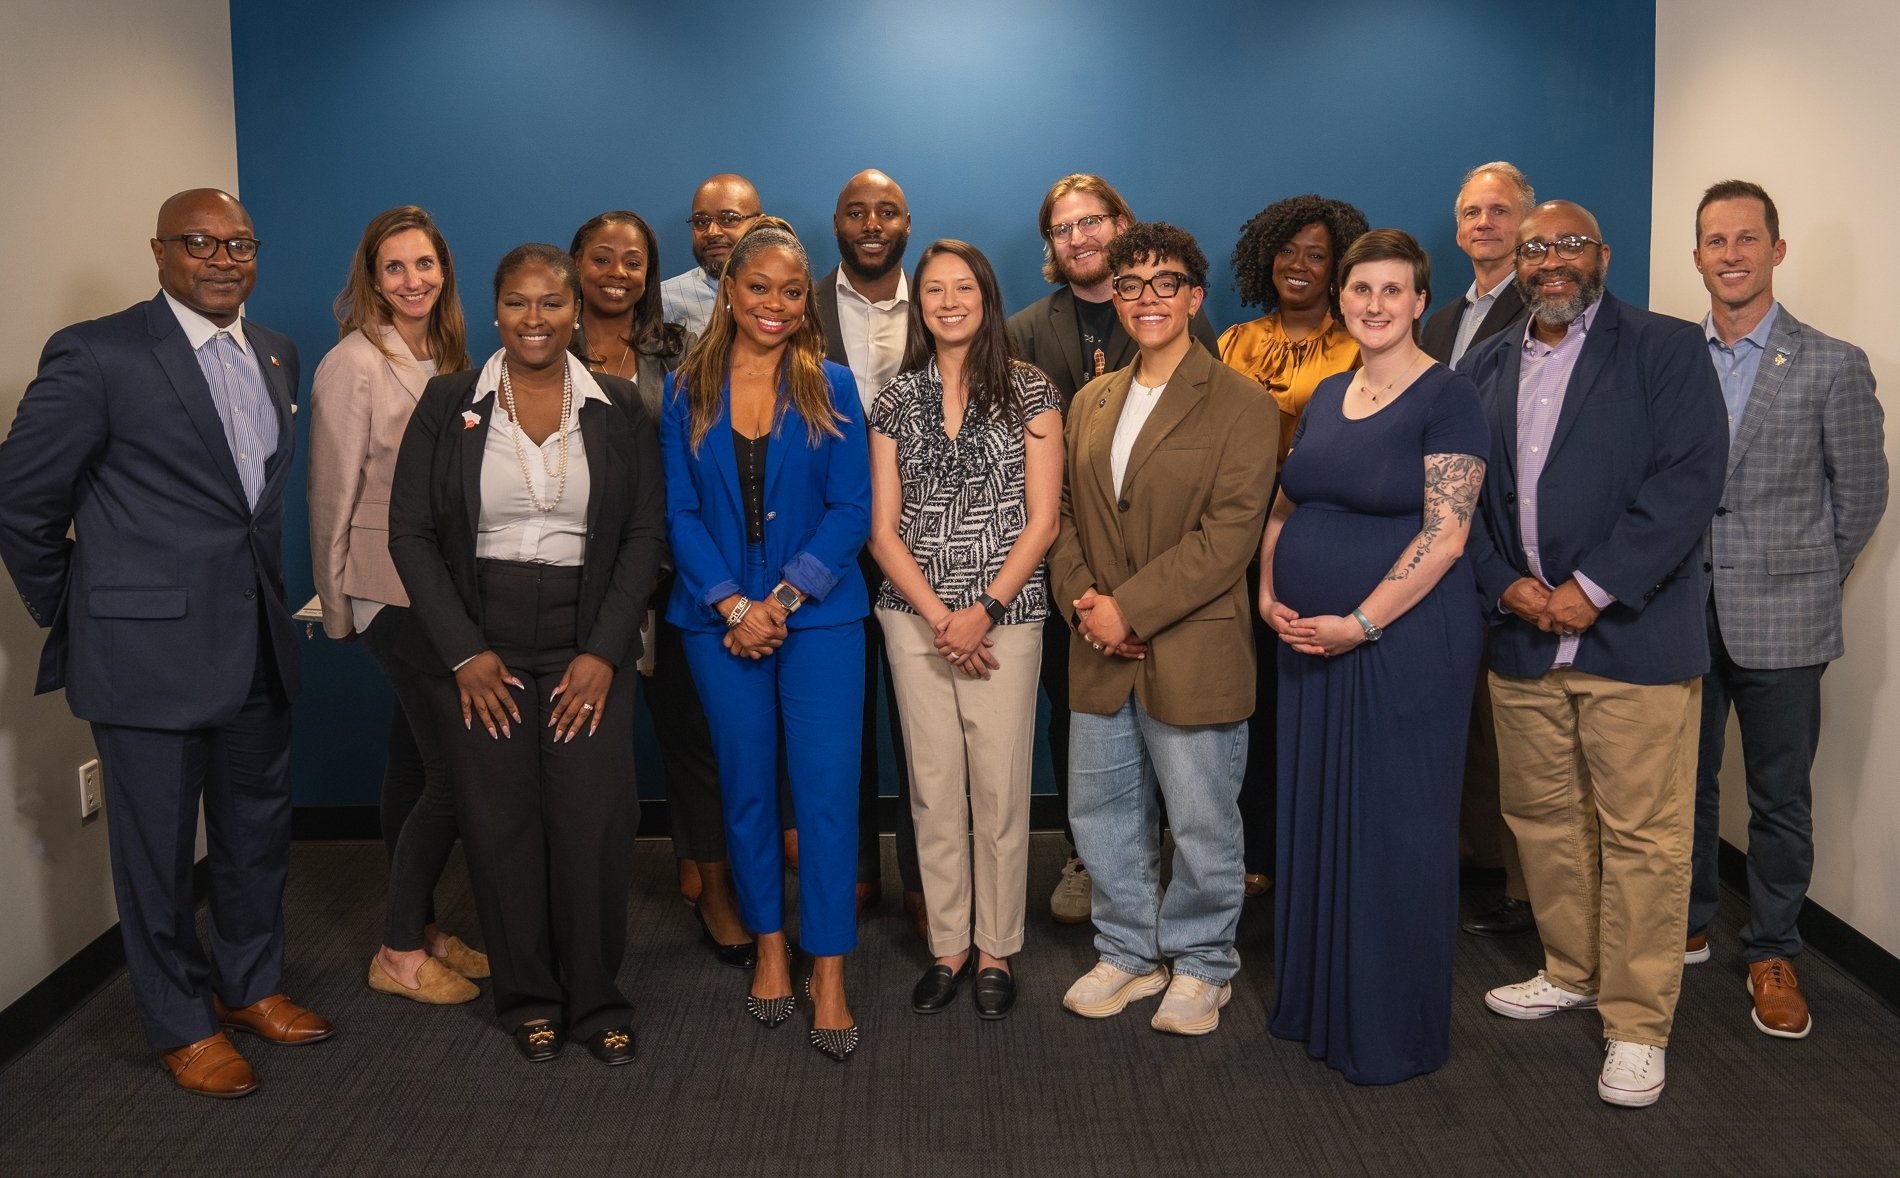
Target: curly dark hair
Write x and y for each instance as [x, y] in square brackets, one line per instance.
[1151, 241]
[1274, 226]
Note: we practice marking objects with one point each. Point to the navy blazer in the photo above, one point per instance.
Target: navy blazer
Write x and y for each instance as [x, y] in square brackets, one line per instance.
[1633, 477]
[817, 511]
[154, 604]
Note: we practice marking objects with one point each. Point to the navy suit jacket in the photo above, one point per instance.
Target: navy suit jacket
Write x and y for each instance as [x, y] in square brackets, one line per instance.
[153, 604]
[1633, 477]
[817, 504]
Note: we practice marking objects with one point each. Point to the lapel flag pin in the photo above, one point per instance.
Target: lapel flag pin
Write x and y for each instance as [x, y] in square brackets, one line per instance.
[470, 419]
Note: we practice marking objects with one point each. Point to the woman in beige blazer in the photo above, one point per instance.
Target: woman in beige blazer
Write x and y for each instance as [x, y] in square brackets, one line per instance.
[399, 323]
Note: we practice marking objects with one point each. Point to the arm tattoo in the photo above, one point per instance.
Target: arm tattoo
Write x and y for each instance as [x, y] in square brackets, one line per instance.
[1452, 482]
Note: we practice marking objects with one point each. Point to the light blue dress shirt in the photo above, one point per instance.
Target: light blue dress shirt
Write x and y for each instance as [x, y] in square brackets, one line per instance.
[1736, 366]
[237, 391]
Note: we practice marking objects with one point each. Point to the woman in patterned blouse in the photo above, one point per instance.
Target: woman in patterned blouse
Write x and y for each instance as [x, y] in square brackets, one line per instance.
[966, 478]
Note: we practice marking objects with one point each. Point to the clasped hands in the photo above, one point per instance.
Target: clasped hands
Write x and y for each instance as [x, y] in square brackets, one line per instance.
[1325, 635]
[1563, 611]
[1101, 623]
[760, 632]
[579, 699]
[962, 637]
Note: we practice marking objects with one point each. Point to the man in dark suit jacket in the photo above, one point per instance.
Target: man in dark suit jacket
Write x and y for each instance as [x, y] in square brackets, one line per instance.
[1608, 445]
[863, 304]
[1074, 336]
[162, 437]
[1492, 202]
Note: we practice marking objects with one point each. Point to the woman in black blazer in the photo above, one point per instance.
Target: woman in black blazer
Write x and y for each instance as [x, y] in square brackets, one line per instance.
[527, 521]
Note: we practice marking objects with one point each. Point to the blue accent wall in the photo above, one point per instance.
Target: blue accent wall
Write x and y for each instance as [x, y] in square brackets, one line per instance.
[515, 121]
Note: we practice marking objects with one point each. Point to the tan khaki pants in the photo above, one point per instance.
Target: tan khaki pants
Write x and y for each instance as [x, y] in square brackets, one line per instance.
[982, 732]
[1598, 784]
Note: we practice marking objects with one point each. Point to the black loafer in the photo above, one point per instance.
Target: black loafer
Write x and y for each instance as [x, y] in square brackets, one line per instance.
[995, 992]
[1509, 919]
[612, 1046]
[539, 1041]
[740, 956]
[937, 989]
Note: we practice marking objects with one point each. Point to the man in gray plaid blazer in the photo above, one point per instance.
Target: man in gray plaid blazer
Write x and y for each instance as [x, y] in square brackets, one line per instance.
[1806, 483]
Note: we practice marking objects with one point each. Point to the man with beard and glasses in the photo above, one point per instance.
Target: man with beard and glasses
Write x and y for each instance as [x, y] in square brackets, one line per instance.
[864, 306]
[722, 208]
[1074, 336]
[1607, 446]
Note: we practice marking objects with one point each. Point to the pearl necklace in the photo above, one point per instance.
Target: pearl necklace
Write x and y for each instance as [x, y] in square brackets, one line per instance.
[557, 473]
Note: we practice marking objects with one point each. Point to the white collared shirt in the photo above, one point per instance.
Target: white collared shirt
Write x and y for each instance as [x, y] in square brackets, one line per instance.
[1136, 409]
[510, 526]
[874, 334]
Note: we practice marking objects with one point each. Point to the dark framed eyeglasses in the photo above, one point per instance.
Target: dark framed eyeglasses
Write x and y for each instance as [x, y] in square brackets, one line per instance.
[203, 246]
[1060, 230]
[1569, 247]
[1166, 284]
[730, 219]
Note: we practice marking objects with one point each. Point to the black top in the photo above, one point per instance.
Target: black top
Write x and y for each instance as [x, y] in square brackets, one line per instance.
[749, 456]
[1093, 322]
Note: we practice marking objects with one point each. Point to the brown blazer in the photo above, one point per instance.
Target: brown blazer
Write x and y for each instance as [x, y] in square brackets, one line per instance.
[360, 403]
[1173, 547]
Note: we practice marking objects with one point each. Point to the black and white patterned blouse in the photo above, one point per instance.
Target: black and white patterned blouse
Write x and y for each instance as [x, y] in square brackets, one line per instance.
[964, 501]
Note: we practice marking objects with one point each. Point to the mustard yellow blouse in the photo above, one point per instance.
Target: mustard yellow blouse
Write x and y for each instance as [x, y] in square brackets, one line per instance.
[1289, 371]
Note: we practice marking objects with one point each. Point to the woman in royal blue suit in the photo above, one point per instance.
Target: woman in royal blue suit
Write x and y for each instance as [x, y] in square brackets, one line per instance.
[768, 500]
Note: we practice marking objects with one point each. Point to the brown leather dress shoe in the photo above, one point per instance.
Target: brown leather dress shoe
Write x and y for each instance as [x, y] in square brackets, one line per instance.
[1780, 1010]
[919, 915]
[276, 1020]
[211, 1067]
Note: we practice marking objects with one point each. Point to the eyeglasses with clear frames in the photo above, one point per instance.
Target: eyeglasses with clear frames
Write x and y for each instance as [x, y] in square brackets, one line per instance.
[1569, 247]
[204, 246]
[1089, 224]
[1166, 284]
[726, 217]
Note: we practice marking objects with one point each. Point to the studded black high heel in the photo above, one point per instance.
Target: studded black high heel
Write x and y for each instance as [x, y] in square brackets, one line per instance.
[836, 1043]
[771, 1011]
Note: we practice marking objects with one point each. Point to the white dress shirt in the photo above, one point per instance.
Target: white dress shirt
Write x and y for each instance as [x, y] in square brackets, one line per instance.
[874, 334]
[1135, 410]
[510, 526]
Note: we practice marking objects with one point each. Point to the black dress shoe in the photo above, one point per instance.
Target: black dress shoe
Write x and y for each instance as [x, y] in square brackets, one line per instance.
[995, 992]
[612, 1046]
[539, 1041]
[937, 989]
[837, 1044]
[1509, 919]
[740, 956]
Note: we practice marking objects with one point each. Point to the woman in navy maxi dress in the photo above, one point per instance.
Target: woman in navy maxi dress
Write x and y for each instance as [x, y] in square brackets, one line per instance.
[1372, 737]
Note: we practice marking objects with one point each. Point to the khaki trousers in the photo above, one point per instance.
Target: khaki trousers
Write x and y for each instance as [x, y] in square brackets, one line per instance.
[982, 732]
[1598, 784]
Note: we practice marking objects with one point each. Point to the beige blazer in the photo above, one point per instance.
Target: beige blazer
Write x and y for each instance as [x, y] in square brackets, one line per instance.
[360, 402]
[1172, 548]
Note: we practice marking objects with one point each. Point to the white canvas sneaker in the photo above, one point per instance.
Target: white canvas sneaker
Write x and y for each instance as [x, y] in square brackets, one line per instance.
[1632, 1074]
[1106, 990]
[1537, 998]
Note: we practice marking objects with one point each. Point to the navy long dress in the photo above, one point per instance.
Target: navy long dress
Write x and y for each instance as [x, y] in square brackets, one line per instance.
[1372, 743]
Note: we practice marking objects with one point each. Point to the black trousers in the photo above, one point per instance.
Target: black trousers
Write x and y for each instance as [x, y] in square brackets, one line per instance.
[1056, 636]
[418, 807]
[547, 826]
[686, 750]
[876, 664]
[1260, 782]
[154, 780]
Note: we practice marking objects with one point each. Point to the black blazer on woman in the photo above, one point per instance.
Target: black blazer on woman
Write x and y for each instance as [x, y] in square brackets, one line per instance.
[435, 499]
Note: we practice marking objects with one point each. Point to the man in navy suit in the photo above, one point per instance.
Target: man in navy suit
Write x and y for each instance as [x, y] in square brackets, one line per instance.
[161, 437]
[1608, 447]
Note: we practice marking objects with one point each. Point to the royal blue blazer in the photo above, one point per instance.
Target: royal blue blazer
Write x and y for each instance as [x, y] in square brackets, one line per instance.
[817, 511]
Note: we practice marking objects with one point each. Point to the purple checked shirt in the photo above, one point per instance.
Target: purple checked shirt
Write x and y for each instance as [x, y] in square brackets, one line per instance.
[1543, 376]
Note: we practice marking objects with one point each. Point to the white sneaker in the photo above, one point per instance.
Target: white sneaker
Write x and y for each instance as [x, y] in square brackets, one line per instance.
[1192, 1006]
[1074, 896]
[1632, 1074]
[1538, 998]
[1106, 990]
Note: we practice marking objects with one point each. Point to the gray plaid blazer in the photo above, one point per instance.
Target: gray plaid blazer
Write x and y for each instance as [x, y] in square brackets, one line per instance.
[1807, 482]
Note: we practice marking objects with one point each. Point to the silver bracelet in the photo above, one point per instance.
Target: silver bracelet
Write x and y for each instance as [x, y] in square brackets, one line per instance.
[738, 613]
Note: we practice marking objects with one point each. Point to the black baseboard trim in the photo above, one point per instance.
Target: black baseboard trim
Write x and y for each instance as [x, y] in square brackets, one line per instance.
[1871, 967]
[67, 988]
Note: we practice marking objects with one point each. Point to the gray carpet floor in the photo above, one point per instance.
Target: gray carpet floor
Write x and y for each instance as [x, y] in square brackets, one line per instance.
[407, 1089]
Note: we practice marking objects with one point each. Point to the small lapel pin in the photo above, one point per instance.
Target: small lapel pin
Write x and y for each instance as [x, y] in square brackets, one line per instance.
[1781, 357]
[1102, 404]
[276, 363]
[470, 419]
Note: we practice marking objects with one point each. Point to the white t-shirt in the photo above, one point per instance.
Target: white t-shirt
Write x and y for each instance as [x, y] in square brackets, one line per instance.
[1141, 402]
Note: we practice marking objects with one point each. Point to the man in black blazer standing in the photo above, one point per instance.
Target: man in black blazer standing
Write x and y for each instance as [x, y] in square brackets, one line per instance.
[1492, 202]
[161, 437]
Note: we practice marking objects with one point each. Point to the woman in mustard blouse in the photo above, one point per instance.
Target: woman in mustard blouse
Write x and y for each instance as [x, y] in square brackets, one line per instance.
[1285, 263]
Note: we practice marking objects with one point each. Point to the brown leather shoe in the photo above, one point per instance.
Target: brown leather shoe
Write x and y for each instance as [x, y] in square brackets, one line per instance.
[1780, 1010]
[276, 1020]
[211, 1067]
[1253, 884]
[919, 915]
[1695, 950]
[470, 963]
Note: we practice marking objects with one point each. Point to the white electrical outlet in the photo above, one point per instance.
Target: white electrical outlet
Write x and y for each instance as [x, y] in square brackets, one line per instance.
[89, 788]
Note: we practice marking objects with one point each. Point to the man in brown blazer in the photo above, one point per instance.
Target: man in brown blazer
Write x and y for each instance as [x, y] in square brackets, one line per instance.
[1170, 467]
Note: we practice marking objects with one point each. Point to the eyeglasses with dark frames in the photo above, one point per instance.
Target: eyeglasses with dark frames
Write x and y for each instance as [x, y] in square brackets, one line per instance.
[1166, 284]
[1569, 247]
[203, 246]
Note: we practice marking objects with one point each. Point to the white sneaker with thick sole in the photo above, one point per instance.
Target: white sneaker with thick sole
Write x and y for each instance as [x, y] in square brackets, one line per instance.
[1632, 1074]
[1537, 998]
[1074, 897]
[1106, 991]
[1192, 1006]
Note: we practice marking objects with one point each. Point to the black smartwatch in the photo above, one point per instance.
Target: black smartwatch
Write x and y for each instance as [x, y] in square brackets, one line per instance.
[992, 607]
[788, 598]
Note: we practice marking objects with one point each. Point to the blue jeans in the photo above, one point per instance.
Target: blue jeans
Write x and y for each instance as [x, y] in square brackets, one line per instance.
[1115, 764]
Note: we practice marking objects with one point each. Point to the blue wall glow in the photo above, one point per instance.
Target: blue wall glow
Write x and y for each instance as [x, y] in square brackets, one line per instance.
[515, 122]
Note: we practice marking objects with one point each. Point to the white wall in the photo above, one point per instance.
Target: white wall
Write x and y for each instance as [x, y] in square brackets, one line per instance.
[111, 106]
[1801, 99]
